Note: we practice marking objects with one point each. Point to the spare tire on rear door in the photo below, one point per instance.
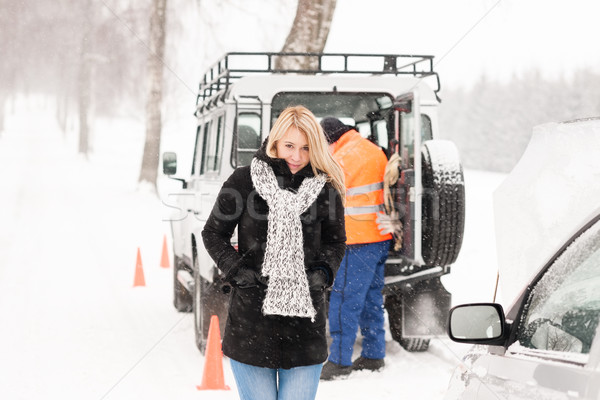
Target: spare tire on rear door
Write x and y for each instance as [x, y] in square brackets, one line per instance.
[443, 202]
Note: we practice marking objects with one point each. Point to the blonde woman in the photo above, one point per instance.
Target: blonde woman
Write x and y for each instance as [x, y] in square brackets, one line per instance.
[288, 207]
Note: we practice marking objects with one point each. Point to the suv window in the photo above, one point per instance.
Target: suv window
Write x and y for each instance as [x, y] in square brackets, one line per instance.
[352, 108]
[563, 309]
[355, 109]
[212, 146]
[205, 141]
[197, 161]
[248, 139]
[406, 133]
[383, 133]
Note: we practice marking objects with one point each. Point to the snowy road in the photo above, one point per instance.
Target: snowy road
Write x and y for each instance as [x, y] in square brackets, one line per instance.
[73, 327]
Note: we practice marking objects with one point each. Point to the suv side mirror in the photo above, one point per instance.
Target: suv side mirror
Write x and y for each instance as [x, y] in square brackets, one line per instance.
[480, 323]
[169, 163]
[403, 103]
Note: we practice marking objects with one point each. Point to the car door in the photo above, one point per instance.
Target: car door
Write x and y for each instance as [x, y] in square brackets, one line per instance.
[556, 351]
[408, 140]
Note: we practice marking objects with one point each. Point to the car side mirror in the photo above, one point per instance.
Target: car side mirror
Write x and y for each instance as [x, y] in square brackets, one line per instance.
[404, 103]
[169, 163]
[479, 323]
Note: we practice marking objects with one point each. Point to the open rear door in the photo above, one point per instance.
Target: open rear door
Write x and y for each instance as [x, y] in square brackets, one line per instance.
[407, 120]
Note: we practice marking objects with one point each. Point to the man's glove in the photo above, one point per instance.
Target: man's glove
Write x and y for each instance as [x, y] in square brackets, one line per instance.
[317, 279]
[389, 223]
[246, 278]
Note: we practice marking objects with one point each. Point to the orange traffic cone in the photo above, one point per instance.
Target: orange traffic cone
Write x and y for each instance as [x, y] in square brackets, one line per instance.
[164, 258]
[139, 280]
[212, 378]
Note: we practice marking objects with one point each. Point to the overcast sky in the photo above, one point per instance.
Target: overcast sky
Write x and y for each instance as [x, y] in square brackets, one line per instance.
[471, 37]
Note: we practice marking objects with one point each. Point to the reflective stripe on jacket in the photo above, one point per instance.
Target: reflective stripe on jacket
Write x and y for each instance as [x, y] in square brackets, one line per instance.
[364, 166]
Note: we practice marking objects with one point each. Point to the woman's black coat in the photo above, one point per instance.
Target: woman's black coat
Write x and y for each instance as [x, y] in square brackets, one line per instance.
[269, 340]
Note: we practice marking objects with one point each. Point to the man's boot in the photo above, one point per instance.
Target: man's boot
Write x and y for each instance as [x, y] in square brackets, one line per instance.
[333, 371]
[368, 363]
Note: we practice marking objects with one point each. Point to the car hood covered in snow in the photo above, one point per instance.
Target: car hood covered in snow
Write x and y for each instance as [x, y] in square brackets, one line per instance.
[545, 199]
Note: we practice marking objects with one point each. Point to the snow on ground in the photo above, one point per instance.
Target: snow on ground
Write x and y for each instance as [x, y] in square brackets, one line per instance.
[73, 325]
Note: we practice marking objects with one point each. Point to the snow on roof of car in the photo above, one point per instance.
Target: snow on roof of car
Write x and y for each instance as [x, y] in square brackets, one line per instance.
[547, 197]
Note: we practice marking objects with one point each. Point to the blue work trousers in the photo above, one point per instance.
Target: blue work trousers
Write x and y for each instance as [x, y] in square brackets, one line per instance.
[356, 301]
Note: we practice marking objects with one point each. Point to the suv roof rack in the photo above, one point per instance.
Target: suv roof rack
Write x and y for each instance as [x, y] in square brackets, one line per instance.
[235, 65]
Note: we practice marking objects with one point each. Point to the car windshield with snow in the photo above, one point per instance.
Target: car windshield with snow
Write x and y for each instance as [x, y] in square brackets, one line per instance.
[391, 100]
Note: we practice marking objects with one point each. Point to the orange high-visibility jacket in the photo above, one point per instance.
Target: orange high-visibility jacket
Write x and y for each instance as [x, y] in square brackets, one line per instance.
[364, 166]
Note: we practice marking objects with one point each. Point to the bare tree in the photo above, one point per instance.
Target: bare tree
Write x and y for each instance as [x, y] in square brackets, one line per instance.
[149, 170]
[85, 77]
[12, 23]
[308, 34]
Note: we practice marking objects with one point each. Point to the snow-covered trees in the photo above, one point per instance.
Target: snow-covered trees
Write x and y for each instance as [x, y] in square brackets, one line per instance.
[491, 123]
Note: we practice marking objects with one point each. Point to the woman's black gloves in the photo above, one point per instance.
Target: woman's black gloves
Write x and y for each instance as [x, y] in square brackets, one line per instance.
[246, 278]
[317, 279]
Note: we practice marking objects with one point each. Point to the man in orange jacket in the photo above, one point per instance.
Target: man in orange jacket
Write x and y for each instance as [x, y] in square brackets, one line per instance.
[356, 299]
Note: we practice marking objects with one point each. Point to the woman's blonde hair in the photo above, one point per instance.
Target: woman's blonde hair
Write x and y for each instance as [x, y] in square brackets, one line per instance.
[318, 148]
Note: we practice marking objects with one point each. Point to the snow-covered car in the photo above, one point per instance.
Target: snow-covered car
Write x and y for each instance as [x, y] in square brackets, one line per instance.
[547, 345]
[390, 99]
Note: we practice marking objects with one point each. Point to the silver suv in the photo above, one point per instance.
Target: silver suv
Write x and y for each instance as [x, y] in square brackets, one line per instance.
[390, 99]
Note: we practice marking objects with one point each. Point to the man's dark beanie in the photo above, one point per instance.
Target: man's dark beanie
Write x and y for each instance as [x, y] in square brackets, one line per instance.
[334, 128]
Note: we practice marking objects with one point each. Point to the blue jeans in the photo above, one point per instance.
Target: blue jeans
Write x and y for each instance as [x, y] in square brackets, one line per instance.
[256, 383]
[356, 302]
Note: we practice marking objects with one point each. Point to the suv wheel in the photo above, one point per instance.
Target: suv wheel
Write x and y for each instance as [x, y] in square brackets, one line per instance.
[443, 202]
[182, 299]
[393, 306]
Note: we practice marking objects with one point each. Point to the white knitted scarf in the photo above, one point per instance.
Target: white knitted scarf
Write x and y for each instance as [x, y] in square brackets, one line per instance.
[287, 293]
